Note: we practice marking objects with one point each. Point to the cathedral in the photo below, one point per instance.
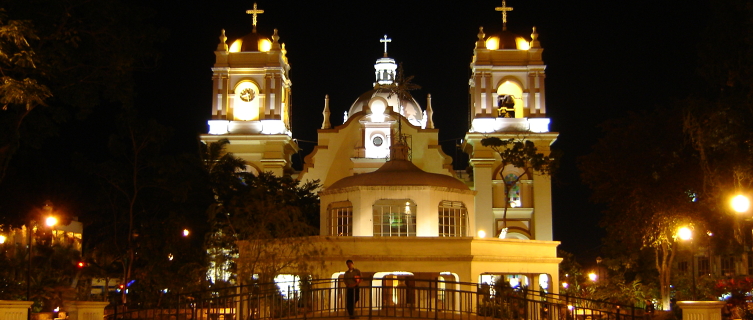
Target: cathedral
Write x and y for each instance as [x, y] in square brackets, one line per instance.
[390, 199]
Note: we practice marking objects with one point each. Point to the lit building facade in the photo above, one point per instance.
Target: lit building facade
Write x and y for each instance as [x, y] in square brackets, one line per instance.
[390, 199]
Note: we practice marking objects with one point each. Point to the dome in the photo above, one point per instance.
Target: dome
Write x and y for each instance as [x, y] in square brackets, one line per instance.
[410, 108]
[251, 42]
[399, 173]
[507, 40]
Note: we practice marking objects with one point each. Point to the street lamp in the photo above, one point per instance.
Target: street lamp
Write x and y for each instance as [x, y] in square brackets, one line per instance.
[686, 234]
[50, 221]
[740, 203]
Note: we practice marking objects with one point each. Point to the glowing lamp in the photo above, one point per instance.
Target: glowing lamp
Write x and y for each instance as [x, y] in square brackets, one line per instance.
[51, 221]
[482, 234]
[685, 233]
[592, 276]
[186, 232]
[740, 203]
[2, 239]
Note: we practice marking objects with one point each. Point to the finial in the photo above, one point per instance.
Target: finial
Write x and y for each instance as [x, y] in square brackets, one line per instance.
[429, 113]
[326, 124]
[480, 44]
[385, 40]
[535, 39]
[223, 42]
[254, 13]
[275, 40]
[284, 53]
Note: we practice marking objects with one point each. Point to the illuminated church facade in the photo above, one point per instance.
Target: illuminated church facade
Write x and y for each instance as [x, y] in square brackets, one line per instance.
[390, 199]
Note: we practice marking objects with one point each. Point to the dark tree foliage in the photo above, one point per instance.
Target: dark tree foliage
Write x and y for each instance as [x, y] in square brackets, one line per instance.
[70, 56]
[147, 199]
[649, 179]
[523, 154]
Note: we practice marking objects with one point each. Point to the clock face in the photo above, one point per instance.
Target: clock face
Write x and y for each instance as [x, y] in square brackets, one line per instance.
[377, 141]
[248, 94]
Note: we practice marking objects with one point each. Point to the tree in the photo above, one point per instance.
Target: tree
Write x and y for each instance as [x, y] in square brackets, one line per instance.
[718, 117]
[522, 154]
[19, 94]
[147, 199]
[265, 216]
[69, 56]
[648, 178]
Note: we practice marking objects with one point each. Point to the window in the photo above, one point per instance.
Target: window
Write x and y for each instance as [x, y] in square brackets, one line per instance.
[514, 193]
[728, 266]
[394, 218]
[704, 267]
[682, 266]
[341, 218]
[453, 219]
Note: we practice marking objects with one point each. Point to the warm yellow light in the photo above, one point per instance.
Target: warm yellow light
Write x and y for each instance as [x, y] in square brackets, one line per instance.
[564, 285]
[265, 45]
[51, 221]
[740, 203]
[236, 46]
[685, 233]
[592, 276]
[492, 43]
[186, 232]
[482, 234]
[522, 43]
[2, 239]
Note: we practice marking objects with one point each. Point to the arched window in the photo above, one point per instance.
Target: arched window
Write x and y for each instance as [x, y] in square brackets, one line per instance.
[394, 218]
[341, 218]
[514, 193]
[453, 219]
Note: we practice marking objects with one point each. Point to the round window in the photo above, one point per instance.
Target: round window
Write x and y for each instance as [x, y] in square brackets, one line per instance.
[378, 141]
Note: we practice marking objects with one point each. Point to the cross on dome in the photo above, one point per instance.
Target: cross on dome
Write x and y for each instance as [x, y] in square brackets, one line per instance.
[504, 8]
[385, 40]
[256, 11]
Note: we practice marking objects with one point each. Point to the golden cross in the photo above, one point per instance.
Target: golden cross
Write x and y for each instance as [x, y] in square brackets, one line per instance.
[385, 40]
[504, 8]
[255, 11]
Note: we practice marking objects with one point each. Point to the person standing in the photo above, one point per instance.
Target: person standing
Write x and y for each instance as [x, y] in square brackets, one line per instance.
[352, 278]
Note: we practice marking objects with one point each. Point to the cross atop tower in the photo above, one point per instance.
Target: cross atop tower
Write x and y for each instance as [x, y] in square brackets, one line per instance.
[504, 8]
[385, 40]
[255, 12]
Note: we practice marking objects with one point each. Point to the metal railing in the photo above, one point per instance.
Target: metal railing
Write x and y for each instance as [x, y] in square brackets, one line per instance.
[421, 299]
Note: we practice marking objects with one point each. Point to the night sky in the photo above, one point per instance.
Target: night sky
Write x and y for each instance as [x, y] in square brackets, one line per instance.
[603, 58]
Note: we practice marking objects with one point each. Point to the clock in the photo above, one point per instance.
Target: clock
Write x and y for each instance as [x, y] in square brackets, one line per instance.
[248, 94]
[377, 141]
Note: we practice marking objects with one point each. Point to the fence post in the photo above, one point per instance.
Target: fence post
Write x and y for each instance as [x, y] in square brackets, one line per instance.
[371, 298]
[436, 299]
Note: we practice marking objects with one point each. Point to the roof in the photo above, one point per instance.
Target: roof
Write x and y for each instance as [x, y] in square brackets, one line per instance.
[399, 173]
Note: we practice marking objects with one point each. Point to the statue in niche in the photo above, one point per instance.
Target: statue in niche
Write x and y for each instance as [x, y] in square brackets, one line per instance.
[506, 106]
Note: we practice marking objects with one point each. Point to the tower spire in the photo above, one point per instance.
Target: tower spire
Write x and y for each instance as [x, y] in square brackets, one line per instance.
[504, 8]
[254, 12]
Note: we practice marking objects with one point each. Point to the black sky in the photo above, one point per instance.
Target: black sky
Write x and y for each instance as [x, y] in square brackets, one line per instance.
[603, 58]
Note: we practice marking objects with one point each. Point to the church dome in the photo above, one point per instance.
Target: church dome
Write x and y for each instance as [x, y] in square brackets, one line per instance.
[252, 42]
[408, 108]
[399, 173]
[507, 40]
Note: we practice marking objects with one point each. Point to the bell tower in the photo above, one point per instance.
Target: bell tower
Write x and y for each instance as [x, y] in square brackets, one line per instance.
[251, 100]
[508, 101]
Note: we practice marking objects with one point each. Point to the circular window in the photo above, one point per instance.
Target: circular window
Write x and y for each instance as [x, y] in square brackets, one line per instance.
[378, 141]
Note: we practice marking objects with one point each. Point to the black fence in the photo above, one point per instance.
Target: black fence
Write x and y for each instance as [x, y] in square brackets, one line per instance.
[423, 299]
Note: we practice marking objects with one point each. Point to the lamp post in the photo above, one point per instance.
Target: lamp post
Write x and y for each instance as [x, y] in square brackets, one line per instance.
[685, 234]
[50, 221]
